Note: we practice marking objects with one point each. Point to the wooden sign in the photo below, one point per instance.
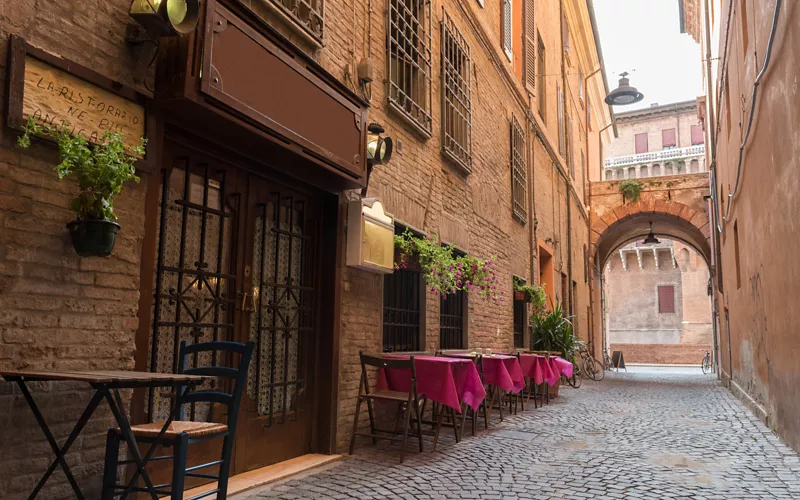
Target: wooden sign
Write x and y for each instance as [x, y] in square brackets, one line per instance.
[618, 360]
[60, 93]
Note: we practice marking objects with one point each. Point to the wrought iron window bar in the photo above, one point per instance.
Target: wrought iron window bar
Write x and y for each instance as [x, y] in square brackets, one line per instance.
[456, 95]
[519, 174]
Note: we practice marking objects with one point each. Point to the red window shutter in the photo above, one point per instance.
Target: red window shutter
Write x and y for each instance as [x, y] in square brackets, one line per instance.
[666, 299]
[697, 135]
[641, 143]
[668, 138]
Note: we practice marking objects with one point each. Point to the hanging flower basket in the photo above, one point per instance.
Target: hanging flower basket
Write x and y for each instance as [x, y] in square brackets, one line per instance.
[93, 238]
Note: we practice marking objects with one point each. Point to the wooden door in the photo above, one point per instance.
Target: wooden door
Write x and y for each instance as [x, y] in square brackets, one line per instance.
[278, 313]
[196, 280]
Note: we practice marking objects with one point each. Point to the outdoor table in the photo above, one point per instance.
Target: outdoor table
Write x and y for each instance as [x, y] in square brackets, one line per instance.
[106, 385]
[503, 371]
[561, 366]
[448, 381]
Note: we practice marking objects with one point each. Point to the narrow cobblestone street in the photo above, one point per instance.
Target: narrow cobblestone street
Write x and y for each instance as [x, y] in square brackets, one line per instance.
[651, 433]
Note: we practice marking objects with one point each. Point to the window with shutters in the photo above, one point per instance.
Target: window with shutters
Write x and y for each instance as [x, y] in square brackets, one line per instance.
[580, 84]
[519, 174]
[697, 135]
[641, 143]
[583, 180]
[570, 146]
[588, 113]
[566, 36]
[668, 139]
[508, 44]
[666, 299]
[457, 101]
[540, 65]
[409, 62]
[530, 45]
[561, 137]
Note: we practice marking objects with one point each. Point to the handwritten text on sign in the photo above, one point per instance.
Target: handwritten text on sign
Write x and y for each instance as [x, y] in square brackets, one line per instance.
[53, 97]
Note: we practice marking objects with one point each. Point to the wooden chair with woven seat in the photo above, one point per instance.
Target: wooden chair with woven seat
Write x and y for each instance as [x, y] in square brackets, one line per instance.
[181, 433]
[407, 401]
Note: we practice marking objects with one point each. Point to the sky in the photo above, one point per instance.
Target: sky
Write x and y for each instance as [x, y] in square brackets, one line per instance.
[643, 38]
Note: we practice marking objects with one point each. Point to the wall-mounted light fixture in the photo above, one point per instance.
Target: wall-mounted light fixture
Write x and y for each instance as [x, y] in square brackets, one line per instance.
[379, 150]
[651, 238]
[154, 19]
[166, 17]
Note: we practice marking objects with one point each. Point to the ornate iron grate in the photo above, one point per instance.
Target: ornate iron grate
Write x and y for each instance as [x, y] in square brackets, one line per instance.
[401, 311]
[456, 95]
[193, 284]
[283, 296]
[451, 321]
[519, 171]
[409, 63]
[308, 14]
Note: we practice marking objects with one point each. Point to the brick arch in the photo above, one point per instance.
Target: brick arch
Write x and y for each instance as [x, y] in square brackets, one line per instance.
[629, 221]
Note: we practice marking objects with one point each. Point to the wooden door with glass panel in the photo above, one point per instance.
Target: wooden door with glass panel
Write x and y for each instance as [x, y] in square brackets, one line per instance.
[279, 315]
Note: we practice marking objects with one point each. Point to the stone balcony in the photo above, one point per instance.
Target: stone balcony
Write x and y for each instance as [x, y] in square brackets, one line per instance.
[657, 163]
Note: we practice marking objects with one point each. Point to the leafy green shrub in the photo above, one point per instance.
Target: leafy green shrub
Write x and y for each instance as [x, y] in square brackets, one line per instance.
[631, 189]
[100, 169]
[552, 331]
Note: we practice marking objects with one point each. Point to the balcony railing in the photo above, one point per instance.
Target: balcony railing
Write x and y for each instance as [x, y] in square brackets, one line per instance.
[656, 156]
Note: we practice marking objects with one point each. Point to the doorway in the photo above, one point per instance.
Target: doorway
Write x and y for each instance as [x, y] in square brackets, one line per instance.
[237, 257]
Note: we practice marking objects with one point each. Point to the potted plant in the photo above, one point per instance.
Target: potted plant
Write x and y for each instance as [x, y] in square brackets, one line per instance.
[552, 331]
[533, 294]
[100, 170]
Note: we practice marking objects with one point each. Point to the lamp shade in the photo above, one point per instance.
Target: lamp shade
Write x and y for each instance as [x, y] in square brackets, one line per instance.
[166, 17]
[624, 94]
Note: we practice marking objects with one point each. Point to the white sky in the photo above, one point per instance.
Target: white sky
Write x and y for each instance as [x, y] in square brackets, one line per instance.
[643, 38]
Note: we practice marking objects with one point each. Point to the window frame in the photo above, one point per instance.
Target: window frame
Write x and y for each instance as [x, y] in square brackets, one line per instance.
[397, 92]
[461, 90]
[541, 63]
[507, 22]
[664, 138]
[461, 300]
[659, 304]
[636, 143]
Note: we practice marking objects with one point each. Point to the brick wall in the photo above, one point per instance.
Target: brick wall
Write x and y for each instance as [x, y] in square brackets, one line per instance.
[58, 310]
[663, 354]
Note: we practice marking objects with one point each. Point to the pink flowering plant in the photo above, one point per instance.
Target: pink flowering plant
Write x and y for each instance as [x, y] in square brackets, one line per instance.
[444, 273]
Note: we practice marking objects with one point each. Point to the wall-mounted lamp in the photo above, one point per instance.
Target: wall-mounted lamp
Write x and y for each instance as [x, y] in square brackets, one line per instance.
[166, 17]
[624, 94]
[154, 19]
[379, 150]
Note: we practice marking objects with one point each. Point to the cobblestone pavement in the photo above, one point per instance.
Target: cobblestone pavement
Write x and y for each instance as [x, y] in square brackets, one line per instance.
[638, 435]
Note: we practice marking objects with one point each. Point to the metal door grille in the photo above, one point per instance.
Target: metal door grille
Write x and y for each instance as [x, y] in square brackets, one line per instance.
[451, 321]
[193, 283]
[401, 311]
[520, 309]
[283, 293]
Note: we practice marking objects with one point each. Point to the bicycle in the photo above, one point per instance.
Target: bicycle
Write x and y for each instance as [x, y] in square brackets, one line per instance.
[706, 364]
[608, 364]
[590, 365]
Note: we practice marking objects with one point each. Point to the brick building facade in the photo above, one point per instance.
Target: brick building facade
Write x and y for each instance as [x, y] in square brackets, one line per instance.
[658, 311]
[535, 64]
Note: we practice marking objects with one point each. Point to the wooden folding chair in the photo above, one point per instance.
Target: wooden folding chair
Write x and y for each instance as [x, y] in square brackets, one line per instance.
[406, 401]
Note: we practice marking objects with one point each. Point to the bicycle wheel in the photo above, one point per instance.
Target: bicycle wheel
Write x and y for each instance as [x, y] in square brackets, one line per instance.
[590, 368]
[576, 379]
[706, 366]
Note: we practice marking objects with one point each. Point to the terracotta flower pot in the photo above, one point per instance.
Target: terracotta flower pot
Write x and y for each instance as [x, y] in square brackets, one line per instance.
[521, 296]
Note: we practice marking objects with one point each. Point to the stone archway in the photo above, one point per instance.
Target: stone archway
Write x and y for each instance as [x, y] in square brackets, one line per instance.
[676, 207]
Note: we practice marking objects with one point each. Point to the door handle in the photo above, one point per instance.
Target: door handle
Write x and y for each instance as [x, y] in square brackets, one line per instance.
[243, 307]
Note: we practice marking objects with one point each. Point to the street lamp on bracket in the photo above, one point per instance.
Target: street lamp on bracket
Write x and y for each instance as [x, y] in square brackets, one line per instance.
[624, 94]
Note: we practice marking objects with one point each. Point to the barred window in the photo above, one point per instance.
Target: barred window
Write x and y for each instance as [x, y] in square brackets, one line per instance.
[402, 310]
[409, 62]
[452, 315]
[519, 175]
[457, 98]
[308, 14]
[508, 44]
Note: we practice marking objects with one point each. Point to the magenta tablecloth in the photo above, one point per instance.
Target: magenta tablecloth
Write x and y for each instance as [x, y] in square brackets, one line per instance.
[449, 381]
[504, 372]
[549, 371]
[562, 366]
[532, 368]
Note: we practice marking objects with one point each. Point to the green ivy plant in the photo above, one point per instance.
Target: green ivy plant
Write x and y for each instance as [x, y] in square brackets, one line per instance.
[631, 189]
[534, 294]
[444, 273]
[100, 169]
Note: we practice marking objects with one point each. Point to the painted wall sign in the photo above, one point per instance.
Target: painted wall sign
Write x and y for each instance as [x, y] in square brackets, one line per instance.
[57, 92]
[53, 97]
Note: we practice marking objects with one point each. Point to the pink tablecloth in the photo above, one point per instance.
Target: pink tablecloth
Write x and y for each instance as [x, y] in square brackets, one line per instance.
[562, 366]
[539, 369]
[449, 381]
[504, 372]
